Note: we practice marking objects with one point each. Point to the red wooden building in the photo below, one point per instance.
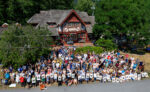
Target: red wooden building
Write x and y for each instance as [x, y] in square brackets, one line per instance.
[66, 26]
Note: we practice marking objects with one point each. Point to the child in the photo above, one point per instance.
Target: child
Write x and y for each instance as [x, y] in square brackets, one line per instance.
[42, 86]
[33, 81]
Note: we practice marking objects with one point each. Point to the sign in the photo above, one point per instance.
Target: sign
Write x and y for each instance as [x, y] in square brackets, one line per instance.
[71, 29]
[12, 85]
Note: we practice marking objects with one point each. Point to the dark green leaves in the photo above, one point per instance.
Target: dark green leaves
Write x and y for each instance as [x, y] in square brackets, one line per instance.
[123, 18]
[21, 45]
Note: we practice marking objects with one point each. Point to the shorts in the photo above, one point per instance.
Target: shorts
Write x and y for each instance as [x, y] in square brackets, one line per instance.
[28, 83]
[33, 84]
[38, 81]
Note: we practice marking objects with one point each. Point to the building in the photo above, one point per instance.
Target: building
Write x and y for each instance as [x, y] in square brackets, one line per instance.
[66, 26]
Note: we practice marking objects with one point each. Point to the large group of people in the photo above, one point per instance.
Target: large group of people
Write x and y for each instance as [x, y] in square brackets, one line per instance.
[65, 67]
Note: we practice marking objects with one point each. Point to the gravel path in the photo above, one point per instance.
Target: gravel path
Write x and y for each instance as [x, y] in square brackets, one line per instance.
[137, 86]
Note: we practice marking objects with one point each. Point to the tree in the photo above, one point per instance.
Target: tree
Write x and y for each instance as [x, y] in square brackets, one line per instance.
[84, 5]
[22, 45]
[127, 21]
[12, 11]
[3, 12]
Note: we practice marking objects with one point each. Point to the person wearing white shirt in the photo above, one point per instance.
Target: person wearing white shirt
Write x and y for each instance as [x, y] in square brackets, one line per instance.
[38, 77]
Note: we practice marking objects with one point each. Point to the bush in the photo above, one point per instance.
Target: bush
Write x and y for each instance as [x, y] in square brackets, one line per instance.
[108, 45]
[91, 49]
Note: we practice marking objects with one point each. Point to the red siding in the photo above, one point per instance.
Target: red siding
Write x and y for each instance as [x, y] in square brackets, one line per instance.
[73, 19]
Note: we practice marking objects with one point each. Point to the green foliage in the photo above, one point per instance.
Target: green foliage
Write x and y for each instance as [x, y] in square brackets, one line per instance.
[84, 5]
[21, 45]
[89, 49]
[12, 11]
[123, 18]
[108, 45]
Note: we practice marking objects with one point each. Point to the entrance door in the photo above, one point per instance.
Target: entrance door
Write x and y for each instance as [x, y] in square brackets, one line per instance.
[73, 37]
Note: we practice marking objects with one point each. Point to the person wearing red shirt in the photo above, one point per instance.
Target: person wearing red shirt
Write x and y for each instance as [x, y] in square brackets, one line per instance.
[22, 81]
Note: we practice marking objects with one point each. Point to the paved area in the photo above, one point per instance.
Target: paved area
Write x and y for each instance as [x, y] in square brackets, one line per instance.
[137, 86]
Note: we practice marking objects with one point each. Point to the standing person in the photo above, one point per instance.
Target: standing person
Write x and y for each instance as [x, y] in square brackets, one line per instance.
[43, 78]
[38, 77]
[33, 81]
[59, 80]
[7, 77]
[28, 78]
[47, 78]
[17, 77]
[22, 81]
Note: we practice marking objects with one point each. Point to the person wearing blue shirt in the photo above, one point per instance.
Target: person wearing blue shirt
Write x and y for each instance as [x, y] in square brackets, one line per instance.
[7, 75]
[134, 66]
[10, 69]
[20, 69]
[118, 53]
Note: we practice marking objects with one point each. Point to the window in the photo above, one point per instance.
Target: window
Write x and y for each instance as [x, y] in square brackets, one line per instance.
[34, 24]
[51, 24]
[88, 23]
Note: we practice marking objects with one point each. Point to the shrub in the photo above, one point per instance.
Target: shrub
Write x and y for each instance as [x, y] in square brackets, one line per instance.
[91, 49]
[108, 45]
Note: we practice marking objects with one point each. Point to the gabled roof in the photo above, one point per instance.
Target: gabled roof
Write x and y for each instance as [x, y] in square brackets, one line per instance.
[58, 17]
[72, 11]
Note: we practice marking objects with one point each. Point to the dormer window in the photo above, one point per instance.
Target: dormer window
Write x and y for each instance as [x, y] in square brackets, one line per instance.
[87, 23]
[34, 24]
[51, 24]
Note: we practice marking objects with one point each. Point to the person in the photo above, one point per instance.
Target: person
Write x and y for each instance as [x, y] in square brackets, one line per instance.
[33, 81]
[42, 86]
[22, 81]
[38, 77]
[59, 80]
[17, 77]
[7, 77]
[68, 69]
[28, 80]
